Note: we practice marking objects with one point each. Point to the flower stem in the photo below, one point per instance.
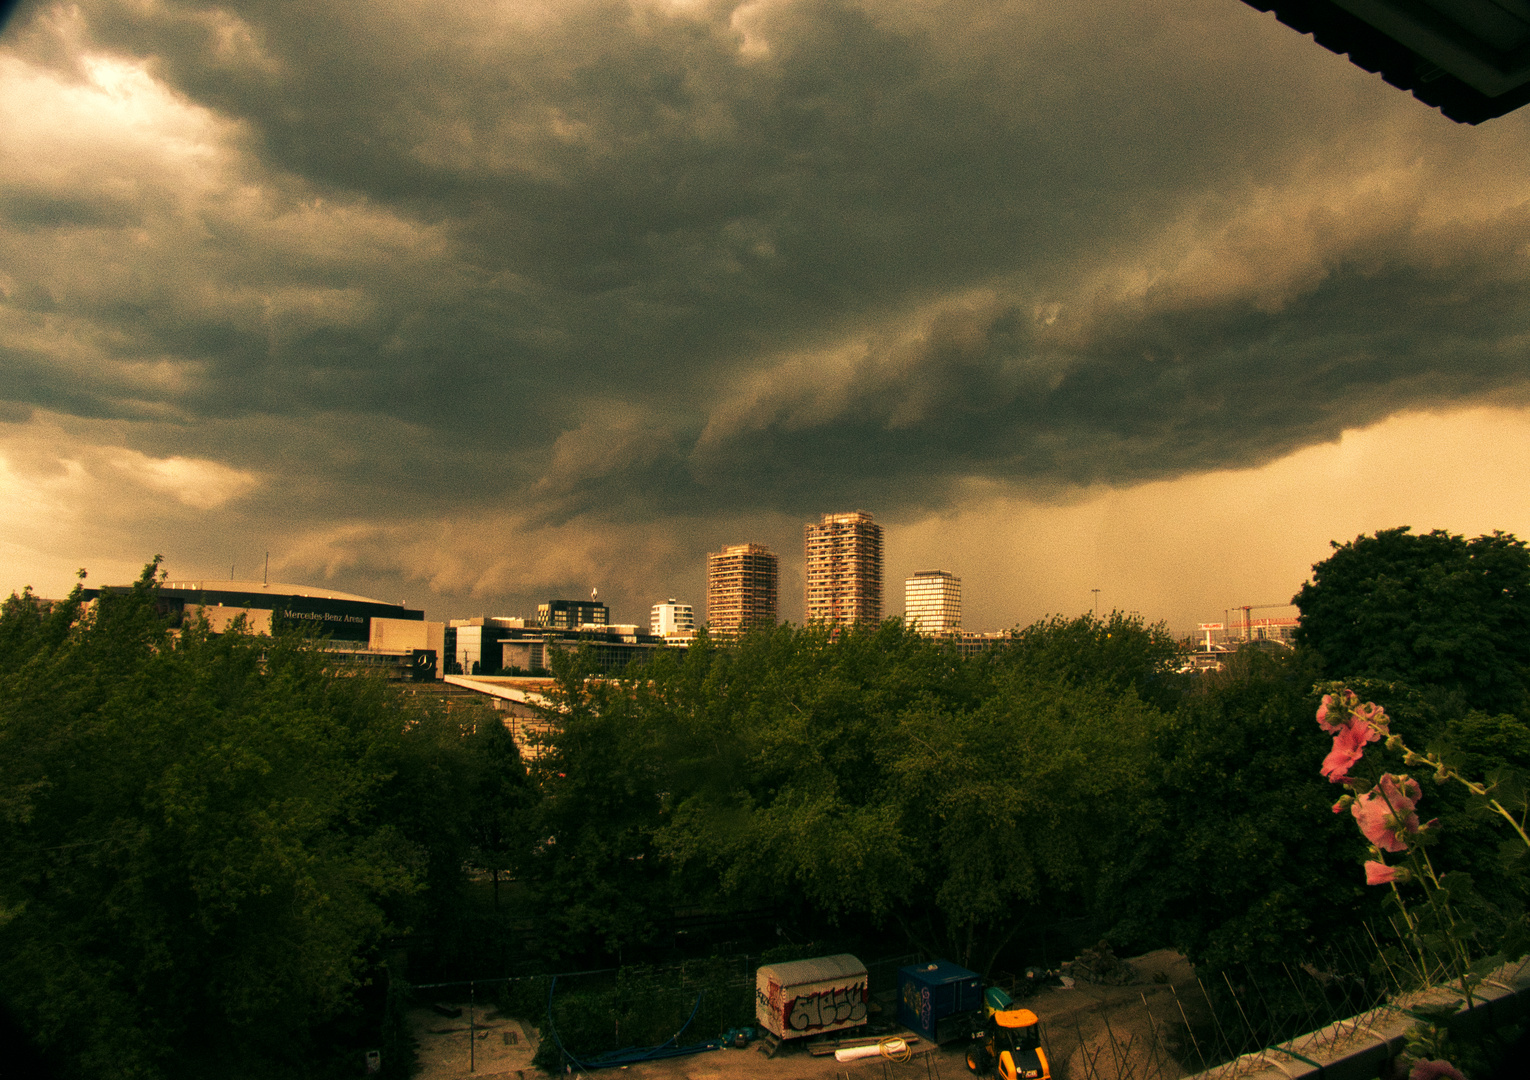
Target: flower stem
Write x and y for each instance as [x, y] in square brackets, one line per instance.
[1498, 807]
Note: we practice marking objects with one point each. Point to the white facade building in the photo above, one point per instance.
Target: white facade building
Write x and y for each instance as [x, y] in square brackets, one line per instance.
[671, 619]
[932, 602]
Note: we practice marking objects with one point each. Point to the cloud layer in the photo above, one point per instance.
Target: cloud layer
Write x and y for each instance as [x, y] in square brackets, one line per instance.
[506, 299]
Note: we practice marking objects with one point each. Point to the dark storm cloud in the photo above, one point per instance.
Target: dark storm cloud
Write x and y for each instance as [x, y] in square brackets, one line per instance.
[648, 260]
[1162, 389]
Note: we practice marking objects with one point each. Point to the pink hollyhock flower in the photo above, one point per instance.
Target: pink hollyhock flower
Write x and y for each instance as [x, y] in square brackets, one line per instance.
[1339, 711]
[1374, 715]
[1378, 873]
[1434, 1070]
[1348, 748]
[1385, 813]
[1342, 703]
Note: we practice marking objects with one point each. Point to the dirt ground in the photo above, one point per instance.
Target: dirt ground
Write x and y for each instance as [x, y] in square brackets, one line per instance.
[1095, 1032]
[500, 1046]
[1092, 1032]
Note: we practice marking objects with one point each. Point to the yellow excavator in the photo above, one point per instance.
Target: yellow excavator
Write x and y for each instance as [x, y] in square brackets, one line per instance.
[1009, 1045]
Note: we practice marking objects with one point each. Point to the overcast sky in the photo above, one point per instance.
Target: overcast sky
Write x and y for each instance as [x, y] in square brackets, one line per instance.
[479, 304]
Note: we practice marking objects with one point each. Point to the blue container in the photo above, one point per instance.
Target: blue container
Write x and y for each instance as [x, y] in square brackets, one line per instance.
[928, 993]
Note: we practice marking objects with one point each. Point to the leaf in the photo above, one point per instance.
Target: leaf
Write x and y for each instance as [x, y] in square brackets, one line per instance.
[1515, 944]
[1508, 786]
[1457, 886]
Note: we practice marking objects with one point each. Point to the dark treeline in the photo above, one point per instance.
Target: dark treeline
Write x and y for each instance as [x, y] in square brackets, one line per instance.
[205, 841]
[215, 848]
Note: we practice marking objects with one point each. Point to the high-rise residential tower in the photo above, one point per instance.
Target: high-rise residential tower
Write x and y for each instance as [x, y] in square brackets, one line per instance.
[844, 570]
[932, 602]
[741, 588]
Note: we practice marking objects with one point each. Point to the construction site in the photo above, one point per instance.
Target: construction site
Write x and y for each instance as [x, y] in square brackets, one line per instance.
[1214, 642]
[1148, 1017]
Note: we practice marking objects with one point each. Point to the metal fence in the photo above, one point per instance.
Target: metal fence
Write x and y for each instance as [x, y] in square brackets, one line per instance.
[1207, 1024]
[1242, 1020]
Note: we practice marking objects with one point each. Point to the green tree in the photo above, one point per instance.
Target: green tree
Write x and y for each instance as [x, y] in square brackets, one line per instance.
[1429, 611]
[587, 860]
[498, 797]
[194, 867]
[882, 778]
[1118, 652]
[1237, 858]
[1014, 811]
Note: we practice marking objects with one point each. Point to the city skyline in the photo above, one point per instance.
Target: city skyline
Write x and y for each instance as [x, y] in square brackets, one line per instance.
[477, 306]
[1405, 462]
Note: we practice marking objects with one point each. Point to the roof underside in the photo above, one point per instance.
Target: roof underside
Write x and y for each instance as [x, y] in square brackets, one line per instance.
[1468, 58]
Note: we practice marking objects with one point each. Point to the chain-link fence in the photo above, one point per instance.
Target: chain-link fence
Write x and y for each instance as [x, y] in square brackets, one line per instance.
[1208, 1023]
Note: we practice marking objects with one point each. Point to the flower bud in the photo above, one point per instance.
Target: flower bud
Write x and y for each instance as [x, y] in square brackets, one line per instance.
[1379, 873]
[1343, 804]
[1395, 742]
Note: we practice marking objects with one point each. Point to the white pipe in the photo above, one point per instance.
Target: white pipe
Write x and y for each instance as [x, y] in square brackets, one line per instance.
[855, 1053]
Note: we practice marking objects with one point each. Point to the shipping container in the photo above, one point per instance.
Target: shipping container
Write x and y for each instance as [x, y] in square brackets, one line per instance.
[929, 994]
[810, 997]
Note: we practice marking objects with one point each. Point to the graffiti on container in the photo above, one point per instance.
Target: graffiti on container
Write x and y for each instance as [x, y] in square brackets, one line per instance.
[771, 1000]
[842, 1005]
[916, 999]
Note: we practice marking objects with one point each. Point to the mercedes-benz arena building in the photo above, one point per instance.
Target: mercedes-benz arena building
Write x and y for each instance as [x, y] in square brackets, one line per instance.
[391, 636]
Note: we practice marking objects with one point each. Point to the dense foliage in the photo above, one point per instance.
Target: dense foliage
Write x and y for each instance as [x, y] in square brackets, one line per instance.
[1436, 629]
[203, 838]
[1235, 859]
[1434, 611]
[870, 775]
[207, 843]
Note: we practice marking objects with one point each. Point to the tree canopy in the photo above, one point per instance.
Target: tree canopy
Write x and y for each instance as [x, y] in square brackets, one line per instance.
[1435, 610]
[206, 840]
[1235, 856]
[203, 838]
[869, 776]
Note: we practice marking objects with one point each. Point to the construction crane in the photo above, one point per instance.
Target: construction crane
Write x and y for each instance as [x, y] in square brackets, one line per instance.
[1248, 622]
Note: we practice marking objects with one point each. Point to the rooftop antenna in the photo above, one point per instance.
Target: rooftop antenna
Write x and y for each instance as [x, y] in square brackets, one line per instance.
[265, 578]
[1096, 602]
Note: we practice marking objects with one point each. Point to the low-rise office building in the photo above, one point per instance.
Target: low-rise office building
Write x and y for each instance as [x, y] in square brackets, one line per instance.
[672, 619]
[572, 614]
[390, 636]
[507, 646]
[970, 644]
